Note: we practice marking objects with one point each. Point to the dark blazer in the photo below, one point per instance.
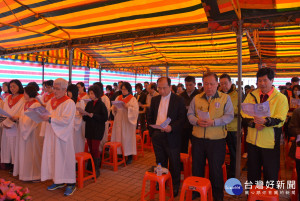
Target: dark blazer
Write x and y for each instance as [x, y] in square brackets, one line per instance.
[187, 101]
[176, 112]
[95, 126]
[141, 100]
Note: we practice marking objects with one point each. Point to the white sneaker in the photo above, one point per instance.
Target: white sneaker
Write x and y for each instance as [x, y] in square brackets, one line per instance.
[245, 155]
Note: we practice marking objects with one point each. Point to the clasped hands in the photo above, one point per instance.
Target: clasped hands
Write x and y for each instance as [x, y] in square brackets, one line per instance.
[205, 122]
[259, 122]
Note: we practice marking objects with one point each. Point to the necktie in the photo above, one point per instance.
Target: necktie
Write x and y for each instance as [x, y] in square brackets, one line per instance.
[263, 98]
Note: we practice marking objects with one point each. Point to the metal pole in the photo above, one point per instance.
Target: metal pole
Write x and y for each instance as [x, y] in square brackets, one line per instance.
[151, 74]
[43, 70]
[100, 73]
[167, 71]
[239, 120]
[135, 77]
[71, 50]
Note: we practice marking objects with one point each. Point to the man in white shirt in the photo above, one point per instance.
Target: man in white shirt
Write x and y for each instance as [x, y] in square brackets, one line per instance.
[166, 141]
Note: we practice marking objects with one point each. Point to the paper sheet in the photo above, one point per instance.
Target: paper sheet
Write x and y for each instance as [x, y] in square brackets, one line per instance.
[294, 102]
[34, 116]
[203, 115]
[39, 100]
[118, 104]
[2, 97]
[259, 110]
[40, 110]
[163, 125]
[86, 100]
[2, 112]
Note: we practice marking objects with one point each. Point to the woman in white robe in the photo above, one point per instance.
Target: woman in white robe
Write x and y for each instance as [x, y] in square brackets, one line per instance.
[58, 157]
[124, 128]
[106, 102]
[13, 105]
[29, 142]
[82, 91]
[79, 137]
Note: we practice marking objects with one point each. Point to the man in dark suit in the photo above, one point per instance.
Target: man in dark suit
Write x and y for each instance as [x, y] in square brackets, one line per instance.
[188, 95]
[167, 141]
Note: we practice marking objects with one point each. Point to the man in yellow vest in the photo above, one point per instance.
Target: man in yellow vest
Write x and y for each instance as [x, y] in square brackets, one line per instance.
[209, 112]
[263, 139]
[227, 88]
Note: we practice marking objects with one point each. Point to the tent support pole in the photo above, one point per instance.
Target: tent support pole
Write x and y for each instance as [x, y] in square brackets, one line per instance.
[43, 70]
[71, 50]
[151, 74]
[100, 73]
[167, 71]
[239, 120]
[135, 77]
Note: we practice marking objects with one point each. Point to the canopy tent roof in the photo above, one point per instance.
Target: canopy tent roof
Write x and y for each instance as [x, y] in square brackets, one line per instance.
[190, 37]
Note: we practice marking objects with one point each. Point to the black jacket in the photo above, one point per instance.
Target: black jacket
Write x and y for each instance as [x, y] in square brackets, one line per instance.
[95, 126]
[187, 101]
[176, 112]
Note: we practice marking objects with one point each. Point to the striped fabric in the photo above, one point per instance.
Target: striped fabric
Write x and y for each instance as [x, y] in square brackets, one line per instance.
[83, 18]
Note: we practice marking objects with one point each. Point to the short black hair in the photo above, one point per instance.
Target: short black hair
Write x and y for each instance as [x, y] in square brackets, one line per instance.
[225, 75]
[115, 84]
[74, 90]
[190, 79]
[180, 85]
[49, 83]
[146, 82]
[17, 82]
[295, 79]
[288, 83]
[96, 89]
[109, 87]
[208, 74]
[139, 85]
[31, 91]
[35, 85]
[265, 71]
[199, 84]
[100, 85]
[120, 82]
[153, 86]
[174, 87]
[81, 84]
[127, 85]
[162, 78]
[247, 87]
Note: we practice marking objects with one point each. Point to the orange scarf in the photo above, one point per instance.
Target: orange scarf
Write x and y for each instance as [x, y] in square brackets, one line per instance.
[13, 101]
[56, 102]
[47, 97]
[28, 104]
[125, 100]
[82, 94]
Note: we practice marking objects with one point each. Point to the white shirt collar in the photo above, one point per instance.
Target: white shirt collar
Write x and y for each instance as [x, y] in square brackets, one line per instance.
[167, 96]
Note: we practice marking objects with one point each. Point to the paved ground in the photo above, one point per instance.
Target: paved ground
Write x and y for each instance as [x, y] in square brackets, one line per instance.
[125, 184]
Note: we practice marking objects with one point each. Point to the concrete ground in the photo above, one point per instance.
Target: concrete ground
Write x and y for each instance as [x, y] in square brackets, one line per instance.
[125, 184]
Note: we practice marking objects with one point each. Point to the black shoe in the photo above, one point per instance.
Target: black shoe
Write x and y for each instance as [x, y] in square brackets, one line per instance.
[157, 186]
[97, 166]
[129, 160]
[195, 195]
[175, 193]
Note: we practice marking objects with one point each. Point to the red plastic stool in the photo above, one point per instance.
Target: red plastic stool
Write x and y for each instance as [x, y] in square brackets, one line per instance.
[109, 137]
[161, 181]
[81, 158]
[294, 197]
[113, 155]
[185, 159]
[148, 143]
[264, 193]
[223, 168]
[199, 184]
[139, 147]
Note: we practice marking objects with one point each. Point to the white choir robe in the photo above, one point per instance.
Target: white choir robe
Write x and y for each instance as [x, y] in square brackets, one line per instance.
[106, 102]
[79, 137]
[85, 97]
[124, 128]
[58, 157]
[29, 148]
[9, 135]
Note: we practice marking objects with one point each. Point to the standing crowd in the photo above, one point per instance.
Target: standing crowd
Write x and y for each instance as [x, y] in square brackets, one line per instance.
[204, 119]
